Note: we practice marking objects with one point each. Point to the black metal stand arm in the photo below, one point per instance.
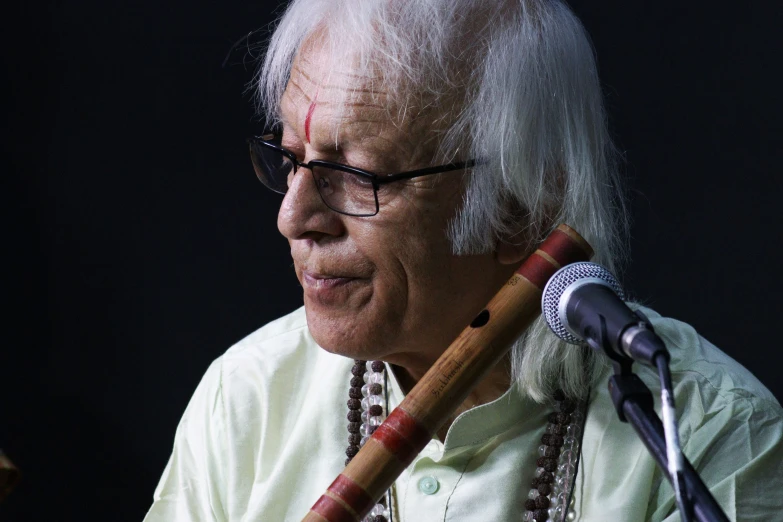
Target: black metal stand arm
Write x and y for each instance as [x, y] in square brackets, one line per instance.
[634, 403]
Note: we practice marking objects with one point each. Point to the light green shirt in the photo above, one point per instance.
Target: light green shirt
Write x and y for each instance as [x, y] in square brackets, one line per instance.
[266, 430]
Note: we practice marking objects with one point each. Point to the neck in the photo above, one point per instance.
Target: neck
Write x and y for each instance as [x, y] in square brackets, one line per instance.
[491, 386]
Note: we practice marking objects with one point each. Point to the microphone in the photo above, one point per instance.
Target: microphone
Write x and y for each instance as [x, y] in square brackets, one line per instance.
[583, 302]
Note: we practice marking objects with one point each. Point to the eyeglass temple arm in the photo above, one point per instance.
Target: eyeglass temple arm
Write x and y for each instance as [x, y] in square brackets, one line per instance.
[429, 170]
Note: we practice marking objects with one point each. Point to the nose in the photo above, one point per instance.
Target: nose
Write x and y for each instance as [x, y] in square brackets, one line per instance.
[303, 214]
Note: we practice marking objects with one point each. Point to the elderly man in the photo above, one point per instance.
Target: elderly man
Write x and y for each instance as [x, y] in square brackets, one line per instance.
[424, 148]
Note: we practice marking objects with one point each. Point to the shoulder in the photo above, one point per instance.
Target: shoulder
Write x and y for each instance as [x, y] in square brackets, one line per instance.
[277, 342]
[245, 414]
[731, 426]
[282, 355]
[731, 430]
[282, 398]
[716, 397]
[274, 371]
[280, 338]
[699, 367]
[247, 365]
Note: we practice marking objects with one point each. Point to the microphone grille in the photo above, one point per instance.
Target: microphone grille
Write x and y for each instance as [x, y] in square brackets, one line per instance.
[560, 282]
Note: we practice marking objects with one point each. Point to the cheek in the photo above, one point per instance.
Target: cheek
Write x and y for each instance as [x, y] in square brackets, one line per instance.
[413, 267]
[389, 253]
[413, 277]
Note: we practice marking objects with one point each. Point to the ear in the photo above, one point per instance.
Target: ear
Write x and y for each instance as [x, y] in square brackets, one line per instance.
[512, 250]
[516, 244]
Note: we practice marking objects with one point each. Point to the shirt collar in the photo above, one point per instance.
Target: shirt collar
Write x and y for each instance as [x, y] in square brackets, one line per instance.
[512, 409]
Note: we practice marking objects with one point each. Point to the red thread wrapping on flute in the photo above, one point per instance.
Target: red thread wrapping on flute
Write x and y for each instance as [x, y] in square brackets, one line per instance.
[563, 249]
[395, 444]
[402, 435]
[537, 270]
[332, 510]
[409, 427]
[351, 493]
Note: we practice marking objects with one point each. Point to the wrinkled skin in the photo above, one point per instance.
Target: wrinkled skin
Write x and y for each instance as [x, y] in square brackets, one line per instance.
[383, 287]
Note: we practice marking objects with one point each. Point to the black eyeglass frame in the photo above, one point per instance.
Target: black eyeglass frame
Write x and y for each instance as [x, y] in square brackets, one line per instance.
[376, 179]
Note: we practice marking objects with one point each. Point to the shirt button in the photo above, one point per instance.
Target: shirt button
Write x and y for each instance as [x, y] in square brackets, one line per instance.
[429, 485]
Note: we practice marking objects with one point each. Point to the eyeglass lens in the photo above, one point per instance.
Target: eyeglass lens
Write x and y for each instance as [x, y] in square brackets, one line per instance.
[342, 191]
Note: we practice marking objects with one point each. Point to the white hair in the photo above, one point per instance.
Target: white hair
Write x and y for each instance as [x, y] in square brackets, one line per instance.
[516, 84]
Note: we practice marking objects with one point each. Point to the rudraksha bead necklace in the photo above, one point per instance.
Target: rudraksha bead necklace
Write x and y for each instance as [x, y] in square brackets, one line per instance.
[368, 404]
[551, 496]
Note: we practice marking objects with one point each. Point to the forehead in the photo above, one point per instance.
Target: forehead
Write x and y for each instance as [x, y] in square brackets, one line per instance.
[335, 86]
[340, 101]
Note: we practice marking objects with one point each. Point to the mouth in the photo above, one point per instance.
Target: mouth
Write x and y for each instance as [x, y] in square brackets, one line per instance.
[328, 289]
[316, 280]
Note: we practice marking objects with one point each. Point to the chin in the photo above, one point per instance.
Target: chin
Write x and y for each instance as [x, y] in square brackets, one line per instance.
[349, 351]
[340, 338]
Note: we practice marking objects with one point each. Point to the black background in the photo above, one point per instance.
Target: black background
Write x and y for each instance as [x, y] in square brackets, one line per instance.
[138, 245]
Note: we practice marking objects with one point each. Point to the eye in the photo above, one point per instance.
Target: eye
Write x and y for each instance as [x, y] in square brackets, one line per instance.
[359, 181]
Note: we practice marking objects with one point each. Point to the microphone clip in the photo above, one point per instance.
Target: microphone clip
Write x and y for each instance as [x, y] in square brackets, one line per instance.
[637, 342]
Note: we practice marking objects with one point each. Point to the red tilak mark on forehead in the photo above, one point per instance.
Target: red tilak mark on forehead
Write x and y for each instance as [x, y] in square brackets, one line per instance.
[308, 118]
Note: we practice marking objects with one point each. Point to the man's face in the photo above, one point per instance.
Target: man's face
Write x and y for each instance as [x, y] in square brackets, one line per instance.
[382, 287]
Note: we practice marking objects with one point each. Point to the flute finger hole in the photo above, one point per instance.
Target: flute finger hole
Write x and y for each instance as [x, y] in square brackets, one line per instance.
[481, 319]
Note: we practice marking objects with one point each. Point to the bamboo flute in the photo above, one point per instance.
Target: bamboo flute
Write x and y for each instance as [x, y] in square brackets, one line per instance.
[409, 427]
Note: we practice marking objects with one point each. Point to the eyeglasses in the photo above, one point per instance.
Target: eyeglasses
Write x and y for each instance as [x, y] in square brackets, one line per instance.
[348, 190]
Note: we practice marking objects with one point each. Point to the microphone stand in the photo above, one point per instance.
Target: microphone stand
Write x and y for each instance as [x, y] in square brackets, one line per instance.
[633, 401]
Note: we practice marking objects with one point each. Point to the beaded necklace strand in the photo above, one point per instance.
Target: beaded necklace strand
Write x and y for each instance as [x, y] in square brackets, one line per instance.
[368, 405]
[552, 493]
[551, 496]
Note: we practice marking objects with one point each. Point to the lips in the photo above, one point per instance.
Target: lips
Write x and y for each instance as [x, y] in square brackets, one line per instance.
[330, 290]
[318, 280]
